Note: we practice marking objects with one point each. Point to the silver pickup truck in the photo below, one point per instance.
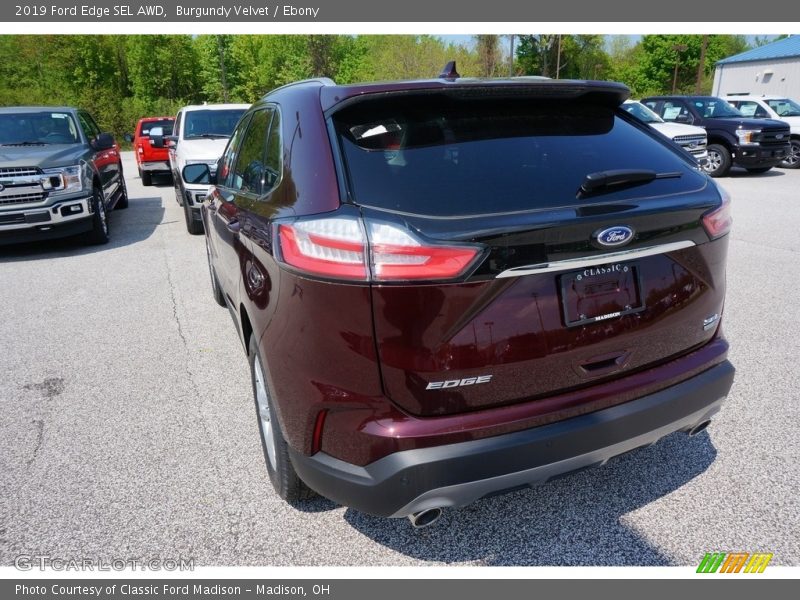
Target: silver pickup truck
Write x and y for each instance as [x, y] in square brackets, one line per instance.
[59, 175]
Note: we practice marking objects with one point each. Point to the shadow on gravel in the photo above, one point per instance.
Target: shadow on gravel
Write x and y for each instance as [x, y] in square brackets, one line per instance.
[577, 520]
[737, 172]
[126, 227]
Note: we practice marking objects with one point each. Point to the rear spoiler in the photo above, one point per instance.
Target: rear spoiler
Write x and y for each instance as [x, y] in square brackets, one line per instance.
[606, 93]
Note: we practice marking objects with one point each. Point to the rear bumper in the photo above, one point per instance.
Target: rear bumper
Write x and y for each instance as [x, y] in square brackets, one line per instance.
[458, 474]
[158, 166]
[762, 156]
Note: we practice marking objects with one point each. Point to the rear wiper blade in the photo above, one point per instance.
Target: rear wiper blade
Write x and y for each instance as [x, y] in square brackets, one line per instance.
[601, 181]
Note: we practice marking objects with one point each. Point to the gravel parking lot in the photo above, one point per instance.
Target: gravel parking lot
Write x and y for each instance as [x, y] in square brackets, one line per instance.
[128, 425]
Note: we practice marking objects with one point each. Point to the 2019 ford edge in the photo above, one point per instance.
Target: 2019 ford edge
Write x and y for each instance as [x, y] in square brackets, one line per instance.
[452, 288]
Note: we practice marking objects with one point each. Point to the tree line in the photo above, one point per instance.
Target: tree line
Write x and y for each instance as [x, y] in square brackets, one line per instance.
[121, 78]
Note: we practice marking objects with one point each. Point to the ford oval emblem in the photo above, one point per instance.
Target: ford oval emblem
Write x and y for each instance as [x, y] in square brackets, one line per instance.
[619, 235]
[2, 187]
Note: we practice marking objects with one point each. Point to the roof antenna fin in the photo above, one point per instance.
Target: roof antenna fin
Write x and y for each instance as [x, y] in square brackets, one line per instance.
[449, 72]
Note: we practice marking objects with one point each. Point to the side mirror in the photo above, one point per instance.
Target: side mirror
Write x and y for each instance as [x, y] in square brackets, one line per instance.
[128, 138]
[198, 173]
[104, 141]
[684, 118]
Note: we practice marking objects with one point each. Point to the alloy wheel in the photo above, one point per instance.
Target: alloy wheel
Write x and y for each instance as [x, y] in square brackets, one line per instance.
[262, 400]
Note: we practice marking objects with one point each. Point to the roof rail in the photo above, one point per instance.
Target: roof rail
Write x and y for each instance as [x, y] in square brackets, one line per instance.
[325, 81]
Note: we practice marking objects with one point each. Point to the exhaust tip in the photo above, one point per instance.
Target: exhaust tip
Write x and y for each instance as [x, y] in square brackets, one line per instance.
[425, 518]
[698, 428]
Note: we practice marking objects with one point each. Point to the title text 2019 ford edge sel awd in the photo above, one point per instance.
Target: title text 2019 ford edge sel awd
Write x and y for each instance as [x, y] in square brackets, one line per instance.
[452, 288]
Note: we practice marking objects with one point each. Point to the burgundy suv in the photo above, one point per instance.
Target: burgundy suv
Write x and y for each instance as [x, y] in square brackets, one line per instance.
[453, 288]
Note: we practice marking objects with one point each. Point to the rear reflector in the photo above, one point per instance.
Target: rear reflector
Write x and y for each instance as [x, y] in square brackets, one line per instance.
[319, 425]
[348, 248]
[718, 222]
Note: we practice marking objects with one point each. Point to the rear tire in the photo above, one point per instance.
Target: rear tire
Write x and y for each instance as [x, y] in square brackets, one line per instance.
[178, 191]
[99, 232]
[192, 226]
[147, 178]
[216, 290]
[758, 169]
[719, 161]
[281, 472]
[122, 201]
[793, 160]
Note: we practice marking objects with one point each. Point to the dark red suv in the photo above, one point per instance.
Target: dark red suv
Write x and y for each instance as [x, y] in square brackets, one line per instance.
[452, 288]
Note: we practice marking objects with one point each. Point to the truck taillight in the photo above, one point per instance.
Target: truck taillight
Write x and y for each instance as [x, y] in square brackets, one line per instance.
[351, 249]
[717, 222]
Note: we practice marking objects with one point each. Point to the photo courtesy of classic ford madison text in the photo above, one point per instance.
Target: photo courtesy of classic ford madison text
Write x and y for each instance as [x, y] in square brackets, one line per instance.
[521, 299]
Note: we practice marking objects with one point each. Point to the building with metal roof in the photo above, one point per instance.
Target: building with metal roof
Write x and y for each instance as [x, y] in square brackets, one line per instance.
[770, 69]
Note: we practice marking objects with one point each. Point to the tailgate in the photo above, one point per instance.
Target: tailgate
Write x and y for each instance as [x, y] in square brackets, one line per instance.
[579, 282]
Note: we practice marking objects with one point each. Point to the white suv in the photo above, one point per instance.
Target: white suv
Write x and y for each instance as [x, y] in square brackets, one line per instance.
[691, 138]
[200, 135]
[773, 107]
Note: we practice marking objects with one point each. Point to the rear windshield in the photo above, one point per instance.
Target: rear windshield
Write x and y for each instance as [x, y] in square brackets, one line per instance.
[165, 124]
[440, 156]
[211, 123]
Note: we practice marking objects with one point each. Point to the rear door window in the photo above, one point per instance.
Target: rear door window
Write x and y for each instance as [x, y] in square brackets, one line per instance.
[250, 169]
[674, 109]
[440, 156]
[90, 129]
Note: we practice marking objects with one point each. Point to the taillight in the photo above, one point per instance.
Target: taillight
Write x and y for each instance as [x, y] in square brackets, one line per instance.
[718, 221]
[329, 247]
[348, 248]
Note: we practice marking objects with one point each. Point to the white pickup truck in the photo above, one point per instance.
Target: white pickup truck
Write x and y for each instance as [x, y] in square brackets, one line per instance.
[200, 136]
[691, 138]
[773, 107]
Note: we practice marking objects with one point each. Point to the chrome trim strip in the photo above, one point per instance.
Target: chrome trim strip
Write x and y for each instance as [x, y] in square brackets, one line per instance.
[591, 261]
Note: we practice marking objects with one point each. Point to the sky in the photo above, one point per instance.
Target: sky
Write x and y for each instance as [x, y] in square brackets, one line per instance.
[468, 40]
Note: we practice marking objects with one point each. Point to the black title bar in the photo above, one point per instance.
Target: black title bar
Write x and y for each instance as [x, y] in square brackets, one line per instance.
[420, 11]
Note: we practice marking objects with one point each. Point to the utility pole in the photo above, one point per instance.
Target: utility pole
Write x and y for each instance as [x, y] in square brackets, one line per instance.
[511, 57]
[701, 65]
[558, 58]
[223, 77]
[678, 49]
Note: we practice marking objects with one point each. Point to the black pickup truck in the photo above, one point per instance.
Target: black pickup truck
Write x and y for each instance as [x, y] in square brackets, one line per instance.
[59, 175]
[755, 144]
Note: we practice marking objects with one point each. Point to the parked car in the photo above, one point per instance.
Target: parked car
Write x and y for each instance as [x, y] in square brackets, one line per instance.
[199, 137]
[59, 175]
[453, 288]
[152, 156]
[690, 138]
[756, 145]
[773, 107]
